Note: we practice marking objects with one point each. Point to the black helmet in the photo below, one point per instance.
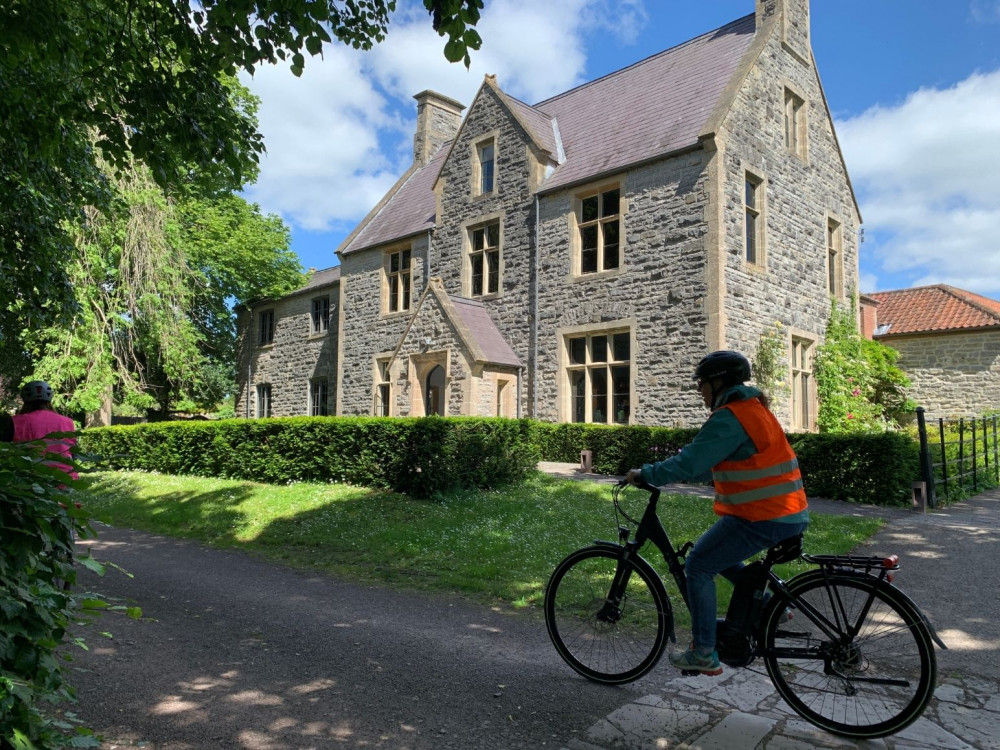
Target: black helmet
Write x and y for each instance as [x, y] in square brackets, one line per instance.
[36, 390]
[731, 366]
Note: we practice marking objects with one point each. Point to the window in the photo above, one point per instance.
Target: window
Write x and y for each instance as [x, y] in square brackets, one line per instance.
[319, 390]
[600, 229]
[321, 315]
[795, 124]
[834, 259]
[263, 400]
[382, 389]
[486, 160]
[753, 210]
[484, 260]
[265, 327]
[802, 414]
[599, 376]
[398, 275]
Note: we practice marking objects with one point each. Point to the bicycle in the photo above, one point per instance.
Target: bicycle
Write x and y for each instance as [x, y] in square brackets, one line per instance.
[847, 650]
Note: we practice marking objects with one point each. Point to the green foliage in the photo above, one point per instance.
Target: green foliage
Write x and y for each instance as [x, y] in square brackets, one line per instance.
[151, 282]
[37, 521]
[860, 388]
[877, 468]
[770, 363]
[970, 461]
[150, 83]
[614, 450]
[420, 457]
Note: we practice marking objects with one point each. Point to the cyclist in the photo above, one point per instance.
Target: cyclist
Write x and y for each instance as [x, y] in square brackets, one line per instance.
[758, 491]
[37, 420]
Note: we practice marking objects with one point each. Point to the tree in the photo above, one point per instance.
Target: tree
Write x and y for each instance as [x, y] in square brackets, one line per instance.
[141, 83]
[153, 285]
[860, 388]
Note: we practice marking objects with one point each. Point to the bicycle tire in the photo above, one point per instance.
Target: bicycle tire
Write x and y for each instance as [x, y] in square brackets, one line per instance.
[605, 643]
[892, 643]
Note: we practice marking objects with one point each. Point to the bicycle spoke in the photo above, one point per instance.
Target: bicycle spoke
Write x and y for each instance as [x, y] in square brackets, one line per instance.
[867, 686]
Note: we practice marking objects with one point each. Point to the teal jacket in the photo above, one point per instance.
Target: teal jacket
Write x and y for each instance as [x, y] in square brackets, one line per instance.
[721, 438]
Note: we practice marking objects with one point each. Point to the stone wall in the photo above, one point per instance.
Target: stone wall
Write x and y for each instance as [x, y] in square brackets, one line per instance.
[368, 331]
[951, 374]
[800, 196]
[658, 294]
[293, 360]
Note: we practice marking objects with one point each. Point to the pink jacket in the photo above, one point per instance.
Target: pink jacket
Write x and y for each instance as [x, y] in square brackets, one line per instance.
[37, 425]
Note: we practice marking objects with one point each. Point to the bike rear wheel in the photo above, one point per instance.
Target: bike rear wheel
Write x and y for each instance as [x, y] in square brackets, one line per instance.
[869, 673]
[606, 635]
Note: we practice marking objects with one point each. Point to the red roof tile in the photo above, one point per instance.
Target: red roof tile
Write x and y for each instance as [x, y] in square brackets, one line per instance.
[937, 308]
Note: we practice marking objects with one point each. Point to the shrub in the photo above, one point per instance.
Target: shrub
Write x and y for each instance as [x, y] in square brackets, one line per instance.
[415, 456]
[37, 603]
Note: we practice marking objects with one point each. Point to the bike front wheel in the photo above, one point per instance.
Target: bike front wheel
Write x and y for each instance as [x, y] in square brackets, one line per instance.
[857, 658]
[607, 616]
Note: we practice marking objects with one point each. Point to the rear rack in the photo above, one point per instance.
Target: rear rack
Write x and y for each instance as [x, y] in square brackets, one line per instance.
[854, 561]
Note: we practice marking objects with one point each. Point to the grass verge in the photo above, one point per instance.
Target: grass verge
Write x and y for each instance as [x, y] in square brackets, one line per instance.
[495, 547]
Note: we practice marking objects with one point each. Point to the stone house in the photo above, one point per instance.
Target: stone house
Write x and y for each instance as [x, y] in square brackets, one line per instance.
[948, 341]
[573, 259]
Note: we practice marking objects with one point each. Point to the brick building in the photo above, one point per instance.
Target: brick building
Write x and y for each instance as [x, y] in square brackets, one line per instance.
[572, 260]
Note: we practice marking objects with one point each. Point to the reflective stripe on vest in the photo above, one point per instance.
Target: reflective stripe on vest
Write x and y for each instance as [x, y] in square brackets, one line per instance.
[766, 485]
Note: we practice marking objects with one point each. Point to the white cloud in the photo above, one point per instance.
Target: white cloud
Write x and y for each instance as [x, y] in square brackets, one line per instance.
[338, 137]
[927, 175]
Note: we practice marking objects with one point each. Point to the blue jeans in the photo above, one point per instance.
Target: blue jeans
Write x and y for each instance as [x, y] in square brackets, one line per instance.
[722, 550]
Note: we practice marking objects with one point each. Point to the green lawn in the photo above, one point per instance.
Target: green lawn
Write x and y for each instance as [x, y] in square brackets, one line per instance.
[495, 547]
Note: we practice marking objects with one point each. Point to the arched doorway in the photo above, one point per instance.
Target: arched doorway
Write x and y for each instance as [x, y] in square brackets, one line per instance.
[434, 391]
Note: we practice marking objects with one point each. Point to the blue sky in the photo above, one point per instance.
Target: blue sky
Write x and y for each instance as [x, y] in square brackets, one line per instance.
[913, 85]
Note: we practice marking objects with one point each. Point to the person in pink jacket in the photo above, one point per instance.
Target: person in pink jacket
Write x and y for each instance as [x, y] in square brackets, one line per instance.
[36, 420]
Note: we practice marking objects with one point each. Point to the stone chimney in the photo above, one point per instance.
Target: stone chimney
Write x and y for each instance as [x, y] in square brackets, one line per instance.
[438, 120]
[794, 19]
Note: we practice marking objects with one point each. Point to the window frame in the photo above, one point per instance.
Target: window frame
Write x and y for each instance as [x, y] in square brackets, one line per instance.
[382, 394]
[398, 284]
[319, 407]
[834, 257]
[794, 122]
[480, 173]
[266, 325]
[598, 222]
[581, 408]
[487, 289]
[320, 323]
[263, 400]
[757, 211]
[802, 380]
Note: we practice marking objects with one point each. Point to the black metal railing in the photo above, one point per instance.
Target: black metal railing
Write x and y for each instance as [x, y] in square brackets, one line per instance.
[958, 457]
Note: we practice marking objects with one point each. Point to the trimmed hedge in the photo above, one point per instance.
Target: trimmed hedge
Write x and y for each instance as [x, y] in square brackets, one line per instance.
[417, 457]
[425, 456]
[877, 468]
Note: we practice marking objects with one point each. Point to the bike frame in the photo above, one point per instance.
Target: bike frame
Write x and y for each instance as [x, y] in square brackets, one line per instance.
[650, 529]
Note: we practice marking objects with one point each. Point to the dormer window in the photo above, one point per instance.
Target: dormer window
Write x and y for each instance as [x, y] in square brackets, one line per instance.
[486, 162]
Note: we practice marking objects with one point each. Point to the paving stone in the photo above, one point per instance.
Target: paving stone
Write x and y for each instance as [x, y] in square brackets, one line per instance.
[982, 728]
[640, 725]
[736, 730]
[925, 733]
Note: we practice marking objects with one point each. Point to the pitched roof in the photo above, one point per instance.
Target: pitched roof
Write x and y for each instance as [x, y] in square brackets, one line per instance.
[407, 210]
[933, 309]
[321, 278]
[484, 332]
[652, 108]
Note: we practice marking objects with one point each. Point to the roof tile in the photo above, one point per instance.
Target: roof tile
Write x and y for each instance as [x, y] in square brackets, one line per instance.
[930, 309]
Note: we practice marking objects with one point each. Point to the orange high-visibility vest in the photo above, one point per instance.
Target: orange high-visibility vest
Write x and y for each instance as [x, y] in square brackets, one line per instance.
[767, 485]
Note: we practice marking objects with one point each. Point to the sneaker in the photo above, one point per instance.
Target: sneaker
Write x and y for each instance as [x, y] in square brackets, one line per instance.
[786, 616]
[692, 661]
